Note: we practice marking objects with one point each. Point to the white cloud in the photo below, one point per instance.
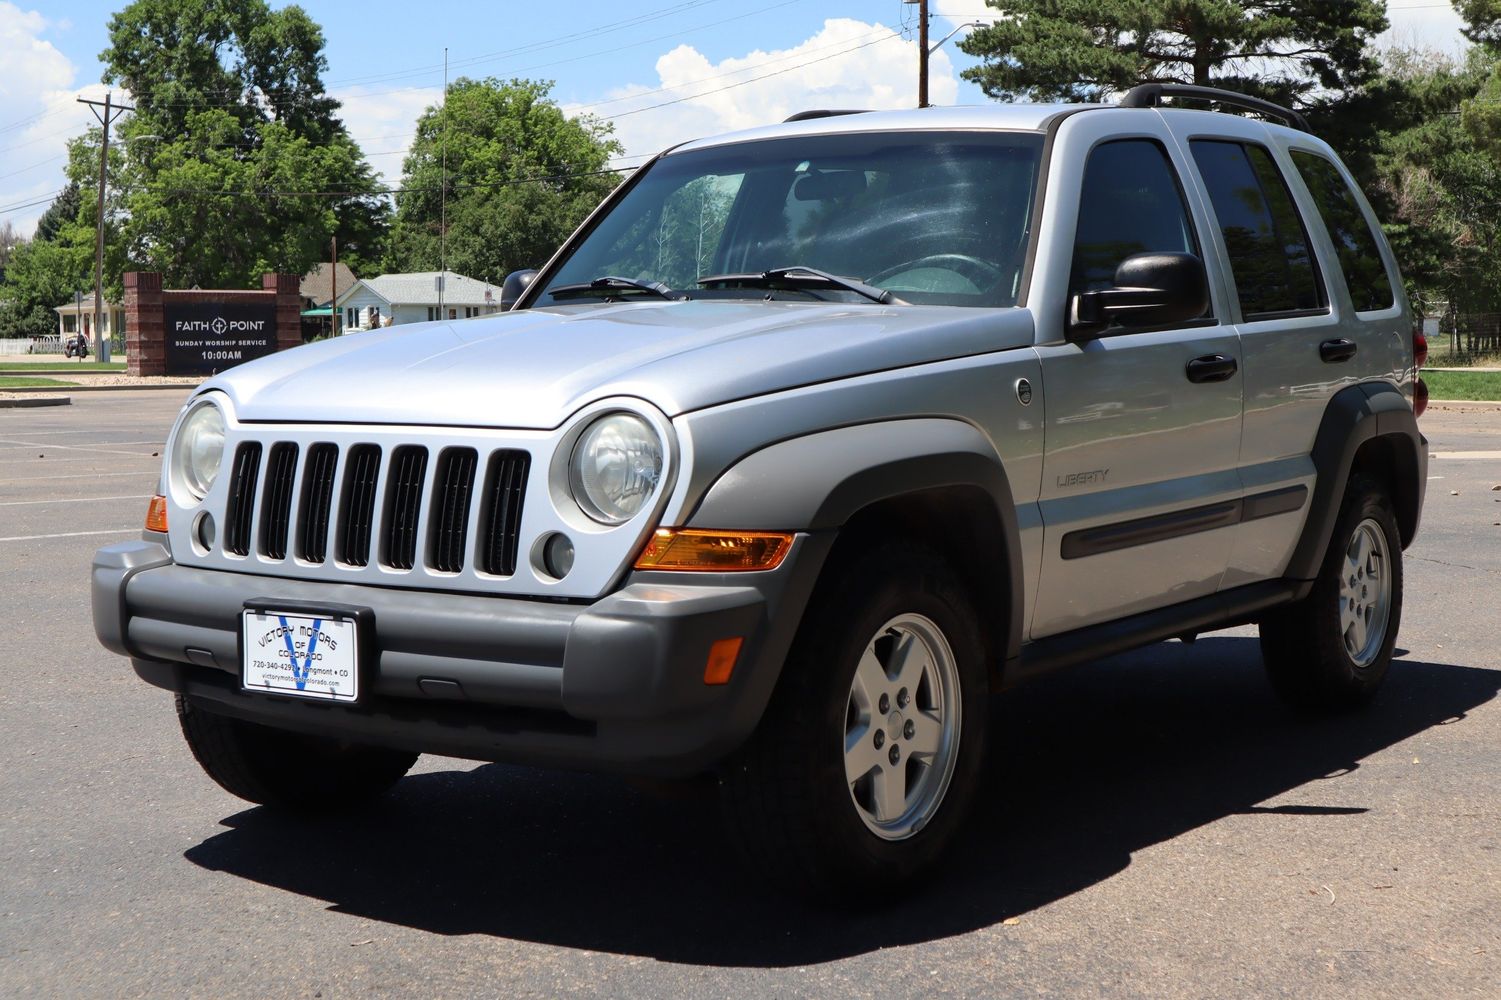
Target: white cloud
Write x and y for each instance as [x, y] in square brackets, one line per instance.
[38, 113]
[847, 64]
[1431, 27]
[384, 122]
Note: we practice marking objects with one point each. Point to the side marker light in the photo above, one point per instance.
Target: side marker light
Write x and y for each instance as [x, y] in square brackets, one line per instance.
[722, 656]
[156, 514]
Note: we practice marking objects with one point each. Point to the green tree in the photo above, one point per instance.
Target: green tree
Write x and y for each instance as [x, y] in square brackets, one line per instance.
[40, 276]
[521, 175]
[63, 210]
[234, 161]
[1084, 50]
[1438, 180]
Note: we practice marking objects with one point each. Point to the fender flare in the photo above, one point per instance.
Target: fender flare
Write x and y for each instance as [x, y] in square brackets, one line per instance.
[1355, 415]
[819, 481]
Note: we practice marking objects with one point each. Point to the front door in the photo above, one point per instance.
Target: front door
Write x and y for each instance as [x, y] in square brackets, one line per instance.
[1140, 489]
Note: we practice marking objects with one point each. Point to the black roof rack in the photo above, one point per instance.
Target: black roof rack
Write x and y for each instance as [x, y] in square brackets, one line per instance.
[803, 116]
[1150, 95]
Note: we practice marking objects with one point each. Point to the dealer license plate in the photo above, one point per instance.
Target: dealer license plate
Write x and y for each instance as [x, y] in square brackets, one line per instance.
[301, 655]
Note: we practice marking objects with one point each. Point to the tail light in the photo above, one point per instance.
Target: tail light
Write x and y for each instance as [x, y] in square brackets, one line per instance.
[1419, 359]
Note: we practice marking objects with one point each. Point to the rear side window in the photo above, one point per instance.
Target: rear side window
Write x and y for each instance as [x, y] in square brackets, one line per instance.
[1131, 203]
[1353, 239]
[1268, 246]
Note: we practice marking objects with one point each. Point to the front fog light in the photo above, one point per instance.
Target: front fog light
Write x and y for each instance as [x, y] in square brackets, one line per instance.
[198, 450]
[557, 556]
[615, 467]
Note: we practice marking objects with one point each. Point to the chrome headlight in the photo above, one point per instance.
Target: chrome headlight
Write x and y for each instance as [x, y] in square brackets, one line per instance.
[197, 451]
[615, 467]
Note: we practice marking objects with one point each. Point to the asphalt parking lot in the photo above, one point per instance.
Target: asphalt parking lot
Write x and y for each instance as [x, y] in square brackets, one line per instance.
[1156, 825]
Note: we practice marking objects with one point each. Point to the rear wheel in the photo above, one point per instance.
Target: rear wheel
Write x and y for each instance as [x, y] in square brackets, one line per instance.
[1331, 650]
[287, 770]
[866, 761]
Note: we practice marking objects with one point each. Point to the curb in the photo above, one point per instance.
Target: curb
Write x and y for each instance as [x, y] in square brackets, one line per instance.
[101, 388]
[1479, 405]
[27, 402]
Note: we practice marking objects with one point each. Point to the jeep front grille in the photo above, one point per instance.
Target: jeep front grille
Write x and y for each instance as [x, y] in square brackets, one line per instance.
[505, 487]
[276, 506]
[403, 506]
[325, 500]
[241, 506]
[359, 504]
[453, 485]
[317, 501]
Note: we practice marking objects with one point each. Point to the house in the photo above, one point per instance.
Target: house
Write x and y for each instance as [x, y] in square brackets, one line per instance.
[414, 298]
[317, 289]
[79, 315]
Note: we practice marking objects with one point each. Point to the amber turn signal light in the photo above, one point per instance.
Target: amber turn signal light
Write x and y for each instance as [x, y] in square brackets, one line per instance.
[156, 514]
[714, 551]
[721, 664]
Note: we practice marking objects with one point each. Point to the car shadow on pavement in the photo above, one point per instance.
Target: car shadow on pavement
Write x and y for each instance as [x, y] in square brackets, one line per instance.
[1088, 767]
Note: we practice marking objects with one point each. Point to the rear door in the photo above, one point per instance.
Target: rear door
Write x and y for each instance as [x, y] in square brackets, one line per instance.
[1316, 305]
[1140, 492]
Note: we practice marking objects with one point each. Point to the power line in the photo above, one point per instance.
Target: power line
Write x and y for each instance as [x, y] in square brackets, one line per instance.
[742, 83]
[31, 204]
[883, 33]
[39, 163]
[547, 43]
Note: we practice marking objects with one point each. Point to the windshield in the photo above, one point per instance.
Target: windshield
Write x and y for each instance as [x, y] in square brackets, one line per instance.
[932, 217]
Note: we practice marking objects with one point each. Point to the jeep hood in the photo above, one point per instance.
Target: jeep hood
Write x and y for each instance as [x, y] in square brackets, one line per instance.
[532, 369]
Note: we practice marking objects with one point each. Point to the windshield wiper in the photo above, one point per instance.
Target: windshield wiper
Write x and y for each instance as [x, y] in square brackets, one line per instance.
[611, 283]
[792, 277]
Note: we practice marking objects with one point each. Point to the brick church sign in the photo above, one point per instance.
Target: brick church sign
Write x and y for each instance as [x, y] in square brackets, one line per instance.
[200, 332]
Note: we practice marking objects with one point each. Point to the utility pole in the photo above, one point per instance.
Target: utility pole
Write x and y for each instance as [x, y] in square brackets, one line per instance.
[333, 303]
[111, 112]
[922, 53]
[443, 196]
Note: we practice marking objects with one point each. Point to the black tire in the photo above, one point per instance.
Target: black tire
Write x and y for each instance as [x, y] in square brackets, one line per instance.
[285, 770]
[1306, 646]
[788, 802]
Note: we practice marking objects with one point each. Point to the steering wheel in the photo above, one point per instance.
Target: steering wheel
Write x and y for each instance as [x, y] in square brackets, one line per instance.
[980, 272]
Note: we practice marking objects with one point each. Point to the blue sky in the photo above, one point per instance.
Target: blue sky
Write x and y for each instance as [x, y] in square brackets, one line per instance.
[721, 64]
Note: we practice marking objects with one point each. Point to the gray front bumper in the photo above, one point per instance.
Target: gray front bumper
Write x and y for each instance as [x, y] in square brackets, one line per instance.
[617, 684]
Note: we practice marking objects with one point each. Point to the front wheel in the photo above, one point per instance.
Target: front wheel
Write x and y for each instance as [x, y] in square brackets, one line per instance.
[865, 763]
[285, 770]
[1331, 650]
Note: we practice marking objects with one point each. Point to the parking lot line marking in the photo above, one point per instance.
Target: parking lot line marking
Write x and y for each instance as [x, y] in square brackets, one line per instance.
[75, 447]
[1491, 455]
[23, 503]
[98, 460]
[69, 534]
[92, 475]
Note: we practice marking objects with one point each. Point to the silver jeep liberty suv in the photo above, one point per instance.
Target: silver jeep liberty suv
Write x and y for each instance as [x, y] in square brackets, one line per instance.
[808, 441]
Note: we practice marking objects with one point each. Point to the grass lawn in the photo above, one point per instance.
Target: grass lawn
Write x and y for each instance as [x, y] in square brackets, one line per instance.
[25, 381]
[1463, 385]
[59, 365]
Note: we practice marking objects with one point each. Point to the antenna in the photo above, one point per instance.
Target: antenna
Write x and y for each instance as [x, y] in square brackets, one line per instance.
[443, 194]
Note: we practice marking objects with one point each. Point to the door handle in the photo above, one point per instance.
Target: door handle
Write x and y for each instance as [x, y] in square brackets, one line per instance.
[1211, 368]
[1333, 351]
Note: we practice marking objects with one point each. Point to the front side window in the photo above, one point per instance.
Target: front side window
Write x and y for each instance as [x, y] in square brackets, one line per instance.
[1354, 242]
[1130, 203]
[1264, 236]
[932, 217]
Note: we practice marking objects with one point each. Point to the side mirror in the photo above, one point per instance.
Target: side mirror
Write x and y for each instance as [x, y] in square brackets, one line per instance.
[1151, 289]
[516, 282]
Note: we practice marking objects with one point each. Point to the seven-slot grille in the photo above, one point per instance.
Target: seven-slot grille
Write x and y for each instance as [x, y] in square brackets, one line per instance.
[384, 506]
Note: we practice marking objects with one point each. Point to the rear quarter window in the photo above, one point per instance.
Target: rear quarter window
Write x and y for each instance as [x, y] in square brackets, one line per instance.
[1264, 236]
[1350, 231]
